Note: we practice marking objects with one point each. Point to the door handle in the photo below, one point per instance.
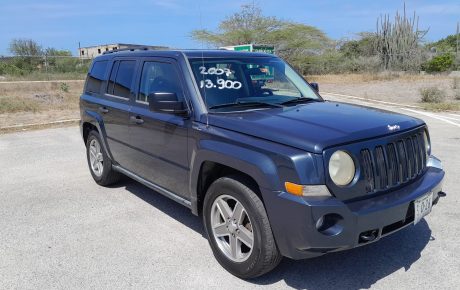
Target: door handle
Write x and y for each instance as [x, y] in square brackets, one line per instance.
[103, 110]
[138, 120]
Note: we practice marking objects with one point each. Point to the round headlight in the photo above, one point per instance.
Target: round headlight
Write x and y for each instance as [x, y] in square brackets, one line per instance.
[427, 143]
[341, 168]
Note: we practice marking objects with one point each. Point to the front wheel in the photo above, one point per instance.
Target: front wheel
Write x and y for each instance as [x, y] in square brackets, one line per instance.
[99, 163]
[238, 229]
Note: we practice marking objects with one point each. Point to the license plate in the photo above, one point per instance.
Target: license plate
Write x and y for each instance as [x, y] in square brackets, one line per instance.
[422, 206]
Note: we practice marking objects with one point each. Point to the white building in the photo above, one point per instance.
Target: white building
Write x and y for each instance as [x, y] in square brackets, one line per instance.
[93, 51]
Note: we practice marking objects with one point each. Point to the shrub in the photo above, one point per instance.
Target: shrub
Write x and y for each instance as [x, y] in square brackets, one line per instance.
[9, 69]
[64, 87]
[439, 63]
[432, 95]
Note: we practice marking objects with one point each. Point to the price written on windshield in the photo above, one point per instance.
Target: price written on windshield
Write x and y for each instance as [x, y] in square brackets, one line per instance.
[220, 83]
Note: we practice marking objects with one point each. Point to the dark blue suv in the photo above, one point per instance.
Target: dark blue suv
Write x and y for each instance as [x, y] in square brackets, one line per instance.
[244, 141]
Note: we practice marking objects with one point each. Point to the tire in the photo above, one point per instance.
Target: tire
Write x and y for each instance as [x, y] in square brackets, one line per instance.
[106, 175]
[264, 254]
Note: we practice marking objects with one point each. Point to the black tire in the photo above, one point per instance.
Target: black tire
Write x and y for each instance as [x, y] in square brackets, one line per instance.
[109, 176]
[265, 255]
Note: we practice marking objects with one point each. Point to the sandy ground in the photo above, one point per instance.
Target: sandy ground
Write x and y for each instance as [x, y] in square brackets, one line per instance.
[403, 89]
[39, 102]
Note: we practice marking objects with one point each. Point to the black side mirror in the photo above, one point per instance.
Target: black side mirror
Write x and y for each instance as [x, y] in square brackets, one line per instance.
[166, 103]
[315, 86]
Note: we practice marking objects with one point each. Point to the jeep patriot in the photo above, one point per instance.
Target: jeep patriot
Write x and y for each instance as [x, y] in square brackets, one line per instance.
[245, 142]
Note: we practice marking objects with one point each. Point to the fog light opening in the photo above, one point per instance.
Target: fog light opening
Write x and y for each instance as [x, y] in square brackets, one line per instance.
[319, 222]
[368, 236]
[329, 224]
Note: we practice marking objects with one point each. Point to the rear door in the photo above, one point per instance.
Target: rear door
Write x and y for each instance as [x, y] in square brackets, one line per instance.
[159, 139]
[116, 107]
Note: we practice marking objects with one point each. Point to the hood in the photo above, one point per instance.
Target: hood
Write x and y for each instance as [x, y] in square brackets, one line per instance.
[315, 126]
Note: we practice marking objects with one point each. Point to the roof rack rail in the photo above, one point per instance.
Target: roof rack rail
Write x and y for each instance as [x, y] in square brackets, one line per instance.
[127, 49]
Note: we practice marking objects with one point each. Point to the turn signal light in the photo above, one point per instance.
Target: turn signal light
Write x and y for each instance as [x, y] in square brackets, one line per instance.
[306, 190]
[293, 188]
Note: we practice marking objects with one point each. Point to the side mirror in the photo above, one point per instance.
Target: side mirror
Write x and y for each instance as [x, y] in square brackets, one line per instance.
[166, 103]
[315, 86]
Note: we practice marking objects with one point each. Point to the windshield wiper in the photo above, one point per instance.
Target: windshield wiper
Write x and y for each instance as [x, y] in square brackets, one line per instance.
[300, 101]
[246, 104]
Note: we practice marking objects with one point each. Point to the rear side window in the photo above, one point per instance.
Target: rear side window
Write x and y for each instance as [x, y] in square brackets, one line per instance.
[121, 78]
[159, 77]
[95, 77]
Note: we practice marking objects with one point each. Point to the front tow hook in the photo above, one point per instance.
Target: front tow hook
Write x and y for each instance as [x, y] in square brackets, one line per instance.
[440, 194]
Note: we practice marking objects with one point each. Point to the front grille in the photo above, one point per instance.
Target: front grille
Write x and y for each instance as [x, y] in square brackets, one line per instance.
[393, 164]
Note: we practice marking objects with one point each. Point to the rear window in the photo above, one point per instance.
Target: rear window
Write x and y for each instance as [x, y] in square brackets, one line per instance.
[121, 78]
[96, 76]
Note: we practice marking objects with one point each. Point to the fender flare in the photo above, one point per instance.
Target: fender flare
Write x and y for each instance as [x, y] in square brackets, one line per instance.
[255, 164]
[96, 120]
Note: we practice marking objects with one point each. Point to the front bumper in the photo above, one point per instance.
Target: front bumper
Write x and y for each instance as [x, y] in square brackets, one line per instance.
[293, 219]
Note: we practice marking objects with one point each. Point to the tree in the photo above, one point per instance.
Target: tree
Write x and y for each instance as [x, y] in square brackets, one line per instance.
[447, 44]
[25, 47]
[50, 51]
[292, 41]
[29, 54]
[364, 46]
[243, 27]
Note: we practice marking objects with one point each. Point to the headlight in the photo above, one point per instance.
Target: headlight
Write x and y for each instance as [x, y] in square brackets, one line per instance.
[341, 168]
[427, 143]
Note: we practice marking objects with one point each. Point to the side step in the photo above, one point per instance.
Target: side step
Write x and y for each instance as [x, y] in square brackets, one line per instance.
[153, 186]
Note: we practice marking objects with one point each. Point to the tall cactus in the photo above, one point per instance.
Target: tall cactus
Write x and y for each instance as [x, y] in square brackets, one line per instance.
[398, 43]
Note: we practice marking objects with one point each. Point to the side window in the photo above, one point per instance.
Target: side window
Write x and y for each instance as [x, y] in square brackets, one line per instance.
[159, 77]
[121, 78]
[95, 77]
[112, 76]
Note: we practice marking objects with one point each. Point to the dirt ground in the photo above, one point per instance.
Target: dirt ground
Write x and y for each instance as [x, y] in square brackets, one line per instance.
[24, 103]
[404, 89]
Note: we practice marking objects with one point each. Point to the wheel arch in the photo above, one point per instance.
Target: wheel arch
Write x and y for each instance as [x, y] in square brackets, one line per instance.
[93, 121]
[217, 159]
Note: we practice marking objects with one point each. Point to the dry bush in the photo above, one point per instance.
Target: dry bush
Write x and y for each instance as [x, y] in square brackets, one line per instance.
[432, 95]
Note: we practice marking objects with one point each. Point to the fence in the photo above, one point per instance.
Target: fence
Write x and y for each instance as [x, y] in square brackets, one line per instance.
[43, 67]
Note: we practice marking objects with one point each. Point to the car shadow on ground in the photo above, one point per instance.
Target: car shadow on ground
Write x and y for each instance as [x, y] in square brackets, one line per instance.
[173, 209]
[353, 269]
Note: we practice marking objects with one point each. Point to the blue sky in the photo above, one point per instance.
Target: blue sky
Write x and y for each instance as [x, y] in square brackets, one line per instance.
[62, 24]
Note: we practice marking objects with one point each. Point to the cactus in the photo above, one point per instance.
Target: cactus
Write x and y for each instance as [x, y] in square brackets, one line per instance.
[398, 43]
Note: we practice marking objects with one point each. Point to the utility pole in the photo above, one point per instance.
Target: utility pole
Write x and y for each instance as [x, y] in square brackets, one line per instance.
[458, 32]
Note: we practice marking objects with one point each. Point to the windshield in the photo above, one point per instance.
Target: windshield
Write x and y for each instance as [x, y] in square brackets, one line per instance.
[229, 84]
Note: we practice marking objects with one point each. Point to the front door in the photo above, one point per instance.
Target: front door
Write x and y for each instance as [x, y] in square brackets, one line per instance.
[159, 140]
